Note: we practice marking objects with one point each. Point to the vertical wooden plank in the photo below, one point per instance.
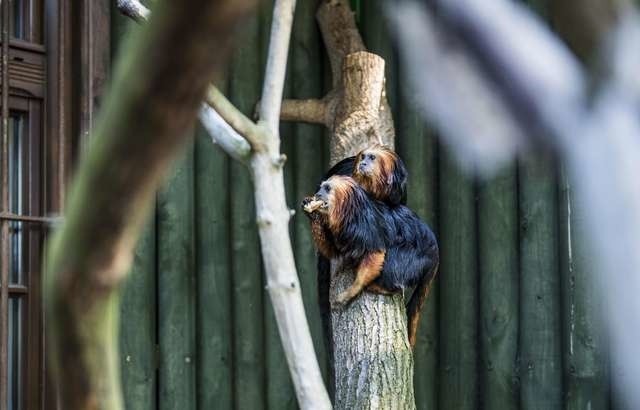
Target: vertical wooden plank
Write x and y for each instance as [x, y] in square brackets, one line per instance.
[307, 75]
[498, 268]
[138, 325]
[176, 290]
[458, 289]
[540, 337]
[247, 283]
[375, 33]
[214, 313]
[138, 314]
[585, 352]
[418, 149]
[279, 387]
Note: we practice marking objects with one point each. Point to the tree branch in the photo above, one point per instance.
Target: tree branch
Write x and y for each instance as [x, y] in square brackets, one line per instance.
[133, 9]
[154, 98]
[276, 67]
[312, 111]
[273, 225]
[234, 117]
[340, 34]
[224, 135]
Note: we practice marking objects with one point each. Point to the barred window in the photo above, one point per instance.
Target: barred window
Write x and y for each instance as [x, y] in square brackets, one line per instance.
[26, 170]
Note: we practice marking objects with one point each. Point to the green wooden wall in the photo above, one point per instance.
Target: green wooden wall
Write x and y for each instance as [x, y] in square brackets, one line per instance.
[513, 322]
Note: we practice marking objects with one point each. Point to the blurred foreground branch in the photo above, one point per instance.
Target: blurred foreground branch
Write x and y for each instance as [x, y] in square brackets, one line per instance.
[154, 98]
[258, 146]
[496, 65]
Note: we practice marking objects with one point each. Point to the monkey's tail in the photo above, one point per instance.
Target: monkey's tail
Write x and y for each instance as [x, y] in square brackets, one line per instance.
[417, 300]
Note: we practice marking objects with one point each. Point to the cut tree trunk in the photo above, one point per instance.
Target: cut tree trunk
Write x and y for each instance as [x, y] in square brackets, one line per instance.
[373, 363]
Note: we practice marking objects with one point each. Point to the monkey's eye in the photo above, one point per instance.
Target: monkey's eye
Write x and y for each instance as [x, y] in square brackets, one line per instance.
[372, 157]
[327, 188]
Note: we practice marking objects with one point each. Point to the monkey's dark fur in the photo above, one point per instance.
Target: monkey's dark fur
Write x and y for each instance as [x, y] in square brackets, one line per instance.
[411, 257]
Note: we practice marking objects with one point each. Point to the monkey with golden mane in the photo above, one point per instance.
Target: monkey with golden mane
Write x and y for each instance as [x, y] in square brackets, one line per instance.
[363, 218]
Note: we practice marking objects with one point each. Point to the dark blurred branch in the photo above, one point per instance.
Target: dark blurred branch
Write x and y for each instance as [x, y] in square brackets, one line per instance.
[155, 97]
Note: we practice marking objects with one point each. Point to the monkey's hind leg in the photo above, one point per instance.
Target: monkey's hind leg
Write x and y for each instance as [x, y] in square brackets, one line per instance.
[368, 270]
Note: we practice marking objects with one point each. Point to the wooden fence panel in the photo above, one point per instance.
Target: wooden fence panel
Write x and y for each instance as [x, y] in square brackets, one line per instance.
[513, 321]
[248, 290]
[458, 378]
[498, 269]
[213, 264]
[177, 290]
[540, 337]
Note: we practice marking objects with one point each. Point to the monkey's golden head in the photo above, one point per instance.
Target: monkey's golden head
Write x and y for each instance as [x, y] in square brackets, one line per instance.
[340, 196]
[380, 172]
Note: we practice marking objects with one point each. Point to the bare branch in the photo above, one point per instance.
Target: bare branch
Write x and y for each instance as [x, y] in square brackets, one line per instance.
[234, 117]
[311, 111]
[340, 34]
[140, 132]
[273, 225]
[134, 9]
[222, 134]
[276, 67]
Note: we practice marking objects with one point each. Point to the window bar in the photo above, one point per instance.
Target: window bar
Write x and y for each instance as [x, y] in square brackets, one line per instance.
[45, 220]
[4, 226]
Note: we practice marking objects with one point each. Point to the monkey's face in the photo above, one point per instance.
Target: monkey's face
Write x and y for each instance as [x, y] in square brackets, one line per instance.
[374, 162]
[333, 192]
[367, 162]
[325, 195]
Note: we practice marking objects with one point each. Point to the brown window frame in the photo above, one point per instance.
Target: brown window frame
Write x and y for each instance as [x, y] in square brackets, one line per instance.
[37, 80]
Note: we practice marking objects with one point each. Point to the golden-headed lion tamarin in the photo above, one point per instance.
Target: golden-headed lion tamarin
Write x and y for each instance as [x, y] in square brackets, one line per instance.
[388, 245]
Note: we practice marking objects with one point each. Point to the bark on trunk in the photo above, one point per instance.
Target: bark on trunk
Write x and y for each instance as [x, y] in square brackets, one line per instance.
[372, 357]
[373, 360]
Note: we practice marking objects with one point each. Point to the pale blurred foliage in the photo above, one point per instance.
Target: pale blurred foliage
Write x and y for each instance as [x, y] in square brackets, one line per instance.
[495, 80]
